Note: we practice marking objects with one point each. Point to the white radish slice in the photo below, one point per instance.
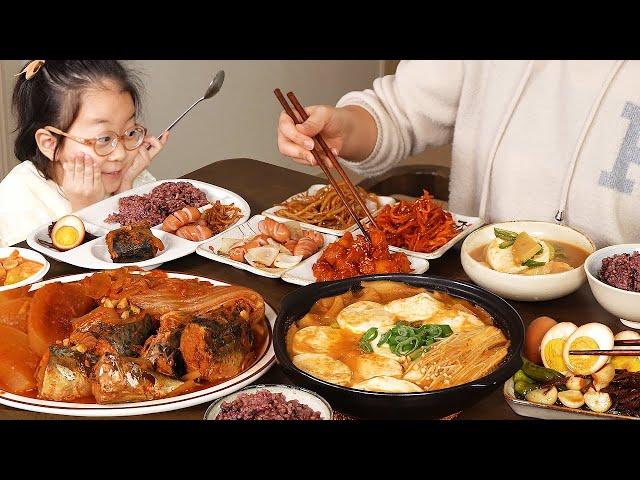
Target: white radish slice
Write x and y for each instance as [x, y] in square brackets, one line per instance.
[281, 248]
[295, 229]
[284, 260]
[227, 244]
[261, 256]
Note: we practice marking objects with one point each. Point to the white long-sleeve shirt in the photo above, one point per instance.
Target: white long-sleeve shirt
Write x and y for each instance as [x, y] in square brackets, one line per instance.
[28, 200]
[529, 138]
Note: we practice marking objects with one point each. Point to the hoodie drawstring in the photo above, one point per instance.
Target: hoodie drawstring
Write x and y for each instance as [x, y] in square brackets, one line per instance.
[496, 143]
[585, 130]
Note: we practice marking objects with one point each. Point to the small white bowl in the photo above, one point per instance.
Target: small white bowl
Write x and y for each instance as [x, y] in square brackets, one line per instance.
[624, 304]
[290, 392]
[29, 255]
[534, 288]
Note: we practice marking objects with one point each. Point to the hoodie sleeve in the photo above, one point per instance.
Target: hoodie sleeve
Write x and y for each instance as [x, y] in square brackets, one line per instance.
[413, 109]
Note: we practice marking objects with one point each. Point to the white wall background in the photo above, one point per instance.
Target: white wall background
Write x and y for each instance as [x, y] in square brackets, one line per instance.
[239, 122]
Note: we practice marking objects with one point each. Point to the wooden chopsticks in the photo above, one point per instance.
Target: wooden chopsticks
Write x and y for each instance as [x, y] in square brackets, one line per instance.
[610, 353]
[332, 159]
[622, 352]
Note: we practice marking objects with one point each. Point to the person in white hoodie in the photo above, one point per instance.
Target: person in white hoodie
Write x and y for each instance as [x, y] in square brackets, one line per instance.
[531, 140]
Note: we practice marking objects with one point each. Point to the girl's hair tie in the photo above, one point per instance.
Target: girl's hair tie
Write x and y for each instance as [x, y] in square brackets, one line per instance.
[31, 69]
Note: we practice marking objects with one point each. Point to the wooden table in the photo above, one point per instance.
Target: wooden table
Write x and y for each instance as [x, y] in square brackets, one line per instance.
[262, 185]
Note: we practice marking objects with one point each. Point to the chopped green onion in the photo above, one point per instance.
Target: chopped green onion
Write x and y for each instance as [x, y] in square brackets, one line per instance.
[365, 340]
[446, 330]
[384, 338]
[407, 346]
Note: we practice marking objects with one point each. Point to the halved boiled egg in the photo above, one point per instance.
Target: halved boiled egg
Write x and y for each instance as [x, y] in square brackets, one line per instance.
[68, 232]
[592, 336]
[552, 346]
[631, 364]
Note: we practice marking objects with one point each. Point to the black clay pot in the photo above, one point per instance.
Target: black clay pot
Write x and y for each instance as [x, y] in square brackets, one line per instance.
[435, 404]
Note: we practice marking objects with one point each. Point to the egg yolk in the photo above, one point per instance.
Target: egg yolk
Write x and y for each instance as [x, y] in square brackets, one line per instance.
[630, 364]
[553, 355]
[66, 236]
[581, 363]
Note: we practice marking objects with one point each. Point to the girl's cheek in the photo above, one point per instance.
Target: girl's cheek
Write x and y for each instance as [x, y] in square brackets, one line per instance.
[69, 152]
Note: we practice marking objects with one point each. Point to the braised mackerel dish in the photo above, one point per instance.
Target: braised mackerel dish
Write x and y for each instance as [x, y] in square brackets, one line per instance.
[127, 336]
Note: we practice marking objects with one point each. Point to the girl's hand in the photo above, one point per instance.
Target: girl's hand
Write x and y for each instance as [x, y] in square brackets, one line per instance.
[296, 141]
[143, 159]
[82, 181]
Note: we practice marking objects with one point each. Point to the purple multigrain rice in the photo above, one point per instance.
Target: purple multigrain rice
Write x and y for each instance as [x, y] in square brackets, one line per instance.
[264, 405]
[622, 271]
[154, 207]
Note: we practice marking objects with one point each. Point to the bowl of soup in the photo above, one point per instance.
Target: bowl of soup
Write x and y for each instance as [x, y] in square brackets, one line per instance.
[527, 260]
[397, 345]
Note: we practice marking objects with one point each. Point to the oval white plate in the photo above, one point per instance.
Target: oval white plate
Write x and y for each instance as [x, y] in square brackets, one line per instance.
[290, 392]
[259, 368]
[29, 255]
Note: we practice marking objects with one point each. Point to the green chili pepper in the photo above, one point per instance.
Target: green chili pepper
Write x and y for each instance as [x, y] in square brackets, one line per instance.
[505, 234]
[522, 388]
[532, 263]
[520, 376]
[538, 373]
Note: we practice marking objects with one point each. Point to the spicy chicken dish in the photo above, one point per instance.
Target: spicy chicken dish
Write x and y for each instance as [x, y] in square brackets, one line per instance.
[126, 336]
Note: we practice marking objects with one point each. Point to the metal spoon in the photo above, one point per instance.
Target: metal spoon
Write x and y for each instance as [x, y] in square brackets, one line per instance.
[214, 87]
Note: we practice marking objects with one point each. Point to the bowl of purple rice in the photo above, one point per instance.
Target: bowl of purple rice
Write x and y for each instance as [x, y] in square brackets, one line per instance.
[614, 277]
[270, 402]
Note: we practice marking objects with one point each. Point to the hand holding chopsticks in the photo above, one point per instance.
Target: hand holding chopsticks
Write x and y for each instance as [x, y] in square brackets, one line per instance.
[332, 159]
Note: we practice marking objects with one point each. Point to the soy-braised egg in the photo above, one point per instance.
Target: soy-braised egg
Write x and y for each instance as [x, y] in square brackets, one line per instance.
[591, 336]
[68, 232]
[552, 346]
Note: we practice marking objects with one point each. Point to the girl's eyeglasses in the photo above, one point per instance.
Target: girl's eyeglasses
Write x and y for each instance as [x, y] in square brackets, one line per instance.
[107, 142]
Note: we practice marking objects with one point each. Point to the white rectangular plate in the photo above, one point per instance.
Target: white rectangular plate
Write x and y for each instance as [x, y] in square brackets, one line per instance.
[270, 212]
[466, 224]
[302, 274]
[246, 231]
[553, 412]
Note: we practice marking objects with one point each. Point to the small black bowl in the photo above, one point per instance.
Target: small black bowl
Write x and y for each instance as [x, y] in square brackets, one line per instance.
[434, 404]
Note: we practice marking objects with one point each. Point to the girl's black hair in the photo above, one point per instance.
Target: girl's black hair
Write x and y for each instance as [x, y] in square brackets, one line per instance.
[53, 95]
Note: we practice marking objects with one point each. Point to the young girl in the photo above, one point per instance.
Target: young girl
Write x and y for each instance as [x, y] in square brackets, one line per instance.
[78, 142]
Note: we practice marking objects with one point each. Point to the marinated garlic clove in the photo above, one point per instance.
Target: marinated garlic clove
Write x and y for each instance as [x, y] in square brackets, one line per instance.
[578, 383]
[603, 377]
[545, 396]
[597, 401]
[571, 398]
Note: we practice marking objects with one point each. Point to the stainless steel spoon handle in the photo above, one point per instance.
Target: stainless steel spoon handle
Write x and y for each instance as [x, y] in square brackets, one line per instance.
[180, 117]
